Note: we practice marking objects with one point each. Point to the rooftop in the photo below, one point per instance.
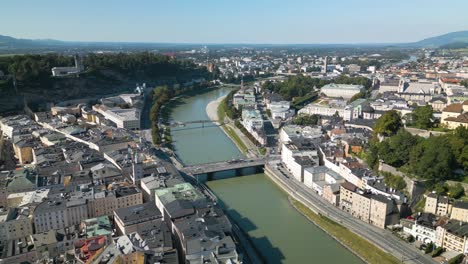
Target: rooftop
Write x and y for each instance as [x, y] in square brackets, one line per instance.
[138, 213]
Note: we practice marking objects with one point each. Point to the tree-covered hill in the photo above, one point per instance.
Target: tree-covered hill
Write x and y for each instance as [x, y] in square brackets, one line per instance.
[104, 74]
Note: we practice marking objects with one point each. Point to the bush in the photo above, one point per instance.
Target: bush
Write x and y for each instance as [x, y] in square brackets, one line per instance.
[437, 252]
[456, 260]
[429, 248]
[410, 239]
[394, 181]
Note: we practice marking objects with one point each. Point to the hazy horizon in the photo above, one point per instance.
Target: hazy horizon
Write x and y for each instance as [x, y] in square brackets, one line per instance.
[233, 22]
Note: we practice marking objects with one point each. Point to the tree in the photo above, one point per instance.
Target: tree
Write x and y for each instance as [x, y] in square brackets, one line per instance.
[432, 159]
[458, 140]
[305, 120]
[388, 124]
[456, 191]
[394, 181]
[440, 188]
[357, 96]
[464, 83]
[422, 117]
[371, 156]
[395, 150]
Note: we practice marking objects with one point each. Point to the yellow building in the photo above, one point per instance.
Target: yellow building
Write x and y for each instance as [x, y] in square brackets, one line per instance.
[460, 211]
[453, 236]
[24, 150]
[455, 115]
[438, 205]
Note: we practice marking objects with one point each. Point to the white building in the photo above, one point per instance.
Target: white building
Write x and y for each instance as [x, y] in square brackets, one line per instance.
[346, 91]
[290, 132]
[422, 228]
[122, 118]
[346, 112]
[317, 177]
[299, 155]
[252, 119]
[281, 110]
[65, 71]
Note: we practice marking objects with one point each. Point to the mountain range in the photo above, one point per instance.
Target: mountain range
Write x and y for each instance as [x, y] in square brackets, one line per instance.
[9, 44]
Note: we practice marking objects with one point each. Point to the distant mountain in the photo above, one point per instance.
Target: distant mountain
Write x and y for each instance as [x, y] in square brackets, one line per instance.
[14, 43]
[10, 44]
[442, 40]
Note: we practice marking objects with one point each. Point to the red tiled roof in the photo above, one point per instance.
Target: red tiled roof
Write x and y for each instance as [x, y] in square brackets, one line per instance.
[454, 108]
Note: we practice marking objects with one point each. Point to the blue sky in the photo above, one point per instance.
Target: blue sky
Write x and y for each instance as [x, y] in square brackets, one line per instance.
[233, 21]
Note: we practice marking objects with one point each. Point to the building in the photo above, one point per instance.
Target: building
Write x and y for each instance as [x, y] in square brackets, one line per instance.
[455, 115]
[333, 108]
[460, 211]
[280, 110]
[423, 228]
[67, 71]
[345, 91]
[317, 178]
[106, 202]
[299, 155]
[207, 239]
[244, 98]
[86, 250]
[122, 118]
[129, 219]
[252, 120]
[452, 236]
[151, 183]
[99, 226]
[23, 150]
[375, 209]
[437, 205]
[290, 132]
[383, 211]
[347, 191]
[20, 250]
[331, 193]
[15, 223]
[59, 214]
[179, 201]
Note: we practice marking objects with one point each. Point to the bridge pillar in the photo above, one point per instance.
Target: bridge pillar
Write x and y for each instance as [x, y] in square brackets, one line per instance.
[209, 176]
[259, 169]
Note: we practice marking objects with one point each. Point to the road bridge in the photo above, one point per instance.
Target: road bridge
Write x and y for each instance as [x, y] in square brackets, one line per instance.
[213, 167]
[203, 122]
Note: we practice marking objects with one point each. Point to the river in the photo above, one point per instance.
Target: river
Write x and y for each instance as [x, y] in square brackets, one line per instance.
[258, 206]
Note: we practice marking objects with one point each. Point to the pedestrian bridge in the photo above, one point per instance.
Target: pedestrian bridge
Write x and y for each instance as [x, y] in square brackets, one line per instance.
[235, 165]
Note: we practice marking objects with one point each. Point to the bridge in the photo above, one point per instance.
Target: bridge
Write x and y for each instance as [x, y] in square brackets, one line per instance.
[210, 168]
[203, 122]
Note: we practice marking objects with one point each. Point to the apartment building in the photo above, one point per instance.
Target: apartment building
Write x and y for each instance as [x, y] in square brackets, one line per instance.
[106, 202]
[15, 223]
[460, 211]
[436, 204]
[129, 219]
[375, 209]
[453, 236]
[298, 155]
